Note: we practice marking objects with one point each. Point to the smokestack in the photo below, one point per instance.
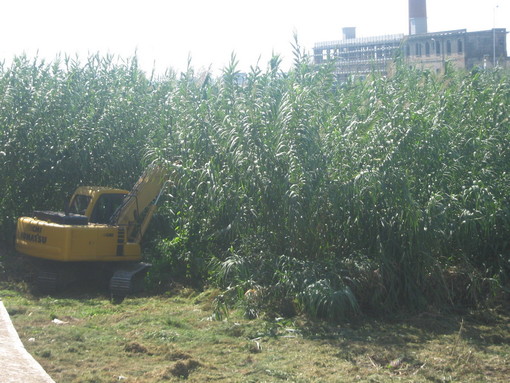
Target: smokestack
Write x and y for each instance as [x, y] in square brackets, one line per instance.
[417, 17]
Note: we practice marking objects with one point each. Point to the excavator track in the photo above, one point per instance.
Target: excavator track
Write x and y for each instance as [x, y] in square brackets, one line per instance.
[127, 279]
[55, 277]
[47, 282]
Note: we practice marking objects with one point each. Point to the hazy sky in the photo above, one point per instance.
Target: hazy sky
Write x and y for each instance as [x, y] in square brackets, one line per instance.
[164, 33]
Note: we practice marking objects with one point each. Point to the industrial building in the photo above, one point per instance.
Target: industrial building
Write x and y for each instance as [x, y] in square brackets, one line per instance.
[359, 57]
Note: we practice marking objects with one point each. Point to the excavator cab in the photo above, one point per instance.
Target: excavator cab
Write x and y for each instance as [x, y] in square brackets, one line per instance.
[97, 203]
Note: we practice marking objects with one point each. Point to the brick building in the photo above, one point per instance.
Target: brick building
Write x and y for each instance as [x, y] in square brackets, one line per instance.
[462, 49]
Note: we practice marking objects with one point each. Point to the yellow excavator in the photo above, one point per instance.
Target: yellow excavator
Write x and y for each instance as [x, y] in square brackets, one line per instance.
[101, 229]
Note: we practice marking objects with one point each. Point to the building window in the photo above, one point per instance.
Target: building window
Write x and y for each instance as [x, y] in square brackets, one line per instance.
[418, 49]
[460, 48]
[438, 48]
[427, 49]
[448, 47]
[408, 50]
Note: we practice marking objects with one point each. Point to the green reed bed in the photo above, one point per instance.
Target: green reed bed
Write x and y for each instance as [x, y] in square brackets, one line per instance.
[313, 196]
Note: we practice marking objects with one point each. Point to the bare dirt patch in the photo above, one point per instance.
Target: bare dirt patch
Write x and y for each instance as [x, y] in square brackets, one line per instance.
[136, 348]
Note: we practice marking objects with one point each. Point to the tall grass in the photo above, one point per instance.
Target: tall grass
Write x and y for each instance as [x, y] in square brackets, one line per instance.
[331, 198]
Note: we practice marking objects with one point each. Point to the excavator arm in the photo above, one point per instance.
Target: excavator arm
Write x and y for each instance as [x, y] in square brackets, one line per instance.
[137, 208]
[138, 234]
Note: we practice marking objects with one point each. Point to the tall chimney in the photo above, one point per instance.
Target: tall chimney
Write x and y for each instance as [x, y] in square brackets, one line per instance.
[417, 17]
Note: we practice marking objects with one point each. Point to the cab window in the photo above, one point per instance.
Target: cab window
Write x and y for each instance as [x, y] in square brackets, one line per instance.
[105, 207]
[79, 204]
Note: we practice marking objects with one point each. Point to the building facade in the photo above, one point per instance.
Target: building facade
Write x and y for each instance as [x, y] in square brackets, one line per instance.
[459, 48]
[359, 57]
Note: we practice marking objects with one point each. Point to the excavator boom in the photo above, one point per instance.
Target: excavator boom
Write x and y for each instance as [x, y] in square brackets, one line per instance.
[136, 210]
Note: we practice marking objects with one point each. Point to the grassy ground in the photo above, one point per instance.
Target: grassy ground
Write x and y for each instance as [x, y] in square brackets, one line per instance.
[83, 337]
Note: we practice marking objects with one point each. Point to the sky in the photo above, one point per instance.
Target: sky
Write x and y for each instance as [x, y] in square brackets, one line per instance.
[166, 34]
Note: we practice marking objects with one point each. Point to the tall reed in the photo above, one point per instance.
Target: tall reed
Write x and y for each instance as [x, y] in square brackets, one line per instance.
[331, 198]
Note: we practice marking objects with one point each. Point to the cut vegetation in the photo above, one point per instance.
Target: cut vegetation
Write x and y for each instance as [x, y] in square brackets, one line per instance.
[173, 337]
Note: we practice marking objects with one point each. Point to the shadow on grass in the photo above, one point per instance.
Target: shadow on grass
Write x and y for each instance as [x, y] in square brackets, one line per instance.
[392, 341]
